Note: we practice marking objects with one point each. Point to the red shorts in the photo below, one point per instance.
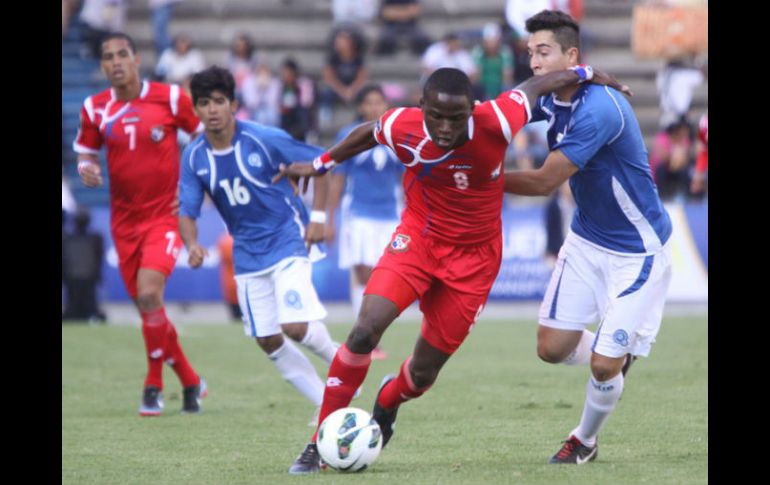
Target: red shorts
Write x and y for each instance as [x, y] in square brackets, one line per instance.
[155, 248]
[451, 281]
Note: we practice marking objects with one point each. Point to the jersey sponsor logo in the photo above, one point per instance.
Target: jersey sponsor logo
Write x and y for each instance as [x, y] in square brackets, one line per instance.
[293, 300]
[620, 337]
[254, 160]
[516, 97]
[333, 382]
[157, 134]
[461, 166]
[400, 244]
[133, 119]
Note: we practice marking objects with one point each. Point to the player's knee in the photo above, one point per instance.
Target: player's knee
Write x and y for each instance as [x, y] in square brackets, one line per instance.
[148, 301]
[362, 339]
[270, 344]
[548, 353]
[295, 331]
[423, 378]
[604, 369]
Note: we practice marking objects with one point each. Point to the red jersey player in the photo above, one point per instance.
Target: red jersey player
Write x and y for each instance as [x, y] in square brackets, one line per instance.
[447, 250]
[137, 121]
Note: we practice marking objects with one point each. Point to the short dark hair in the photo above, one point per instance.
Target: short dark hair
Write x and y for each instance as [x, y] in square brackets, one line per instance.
[212, 79]
[565, 29]
[450, 81]
[369, 88]
[118, 35]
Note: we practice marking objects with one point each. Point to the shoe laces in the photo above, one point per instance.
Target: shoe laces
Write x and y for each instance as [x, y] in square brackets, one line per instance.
[310, 455]
[569, 446]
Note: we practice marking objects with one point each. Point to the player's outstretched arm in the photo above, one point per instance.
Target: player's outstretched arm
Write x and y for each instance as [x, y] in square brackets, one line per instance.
[360, 139]
[537, 86]
[543, 181]
[188, 229]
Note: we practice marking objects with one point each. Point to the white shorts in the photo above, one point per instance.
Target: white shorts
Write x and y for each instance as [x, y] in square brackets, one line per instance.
[625, 293]
[283, 295]
[362, 241]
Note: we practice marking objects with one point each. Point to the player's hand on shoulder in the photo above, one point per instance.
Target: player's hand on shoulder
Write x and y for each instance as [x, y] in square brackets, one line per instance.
[196, 255]
[90, 173]
[606, 79]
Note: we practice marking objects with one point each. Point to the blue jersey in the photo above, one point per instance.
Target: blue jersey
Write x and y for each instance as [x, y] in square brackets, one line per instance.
[618, 207]
[267, 221]
[373, 179]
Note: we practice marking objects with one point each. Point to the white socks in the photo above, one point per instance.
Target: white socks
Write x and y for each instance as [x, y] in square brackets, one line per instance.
[601, 398]
[318, 341]
[298, 371]
[582, 353]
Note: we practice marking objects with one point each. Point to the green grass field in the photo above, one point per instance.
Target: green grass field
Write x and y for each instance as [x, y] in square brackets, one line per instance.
[495, 415]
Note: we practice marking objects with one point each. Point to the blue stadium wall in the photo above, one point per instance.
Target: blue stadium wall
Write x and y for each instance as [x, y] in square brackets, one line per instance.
[523, 275]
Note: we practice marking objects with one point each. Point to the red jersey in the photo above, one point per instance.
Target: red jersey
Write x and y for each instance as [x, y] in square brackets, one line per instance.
[702, 163]
[455, 196]
[142, 151]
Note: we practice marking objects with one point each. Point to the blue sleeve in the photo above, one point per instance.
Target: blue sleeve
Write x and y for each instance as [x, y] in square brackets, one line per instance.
[537, 113]
[286, 149]
[190, 189]
[590, 128]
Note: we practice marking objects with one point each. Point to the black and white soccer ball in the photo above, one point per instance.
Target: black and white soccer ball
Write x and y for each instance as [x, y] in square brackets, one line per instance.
[349, 440]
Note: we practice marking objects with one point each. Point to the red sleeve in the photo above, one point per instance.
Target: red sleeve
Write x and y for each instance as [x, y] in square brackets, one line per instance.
[383, 129]
[512, 111]
[88, 139]
[182, 109]
[702, 163]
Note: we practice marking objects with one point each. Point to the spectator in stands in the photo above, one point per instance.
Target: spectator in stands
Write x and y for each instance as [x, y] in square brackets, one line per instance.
[297, 100]
[161, 12]
[179, 62]
[261, 94]
[354, 11]
[400, 19]
[68, 8]
[699, 183]
[242, 59]
[344, 73]
[494, 63]
[82, 255]
[100, 18]
[671, 159]
[448, 52]
[676, 82]
[516, 14]
[227, 276]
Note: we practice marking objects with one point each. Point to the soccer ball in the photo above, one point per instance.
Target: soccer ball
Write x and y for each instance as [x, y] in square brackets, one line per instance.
[349, 440]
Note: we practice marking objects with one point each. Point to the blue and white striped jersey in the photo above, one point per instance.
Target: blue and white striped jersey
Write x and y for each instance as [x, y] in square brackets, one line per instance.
[267, 221]
[618, 207]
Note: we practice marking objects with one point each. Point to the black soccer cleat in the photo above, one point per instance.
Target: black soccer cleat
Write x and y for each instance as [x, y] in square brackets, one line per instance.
[191, 397]
[152, 401]
[307, 462]
[386, 418]
[575, 452]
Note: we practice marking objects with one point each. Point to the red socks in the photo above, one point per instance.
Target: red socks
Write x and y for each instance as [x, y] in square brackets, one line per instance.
[161, 342]
[400, 389]
[346, 373]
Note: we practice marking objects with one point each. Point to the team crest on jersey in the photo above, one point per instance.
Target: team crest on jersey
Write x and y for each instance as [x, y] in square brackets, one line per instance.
[254, 160]
[399, 244]
[157, 134]
[516, 97]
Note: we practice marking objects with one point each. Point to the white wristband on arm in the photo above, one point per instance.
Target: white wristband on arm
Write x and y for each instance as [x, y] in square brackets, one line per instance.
[585, 72]
[323, 163]
[318, 217]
